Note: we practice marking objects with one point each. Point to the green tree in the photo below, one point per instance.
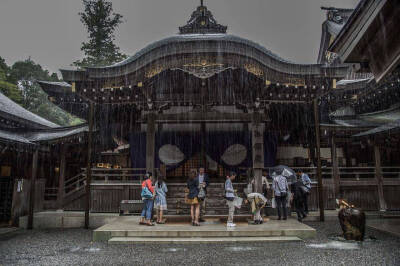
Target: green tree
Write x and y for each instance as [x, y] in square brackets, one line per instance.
[8, 89]
[29, 70]
[101, 22]
[24, 74]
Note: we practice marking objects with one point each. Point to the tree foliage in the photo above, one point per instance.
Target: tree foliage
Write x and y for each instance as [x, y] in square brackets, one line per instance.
[18, 84]
[101, 22]
[6, 87]
[29, 70]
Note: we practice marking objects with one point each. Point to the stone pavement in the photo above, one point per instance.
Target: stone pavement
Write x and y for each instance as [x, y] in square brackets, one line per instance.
[75, 247]
[391, 226]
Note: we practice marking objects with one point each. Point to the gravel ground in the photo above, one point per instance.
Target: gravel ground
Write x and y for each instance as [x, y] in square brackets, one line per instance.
[74, 247]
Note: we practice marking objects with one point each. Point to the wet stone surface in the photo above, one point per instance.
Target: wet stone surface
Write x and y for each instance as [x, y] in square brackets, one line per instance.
[74, 247]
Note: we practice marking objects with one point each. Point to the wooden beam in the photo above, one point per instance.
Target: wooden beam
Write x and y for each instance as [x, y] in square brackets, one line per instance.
[35, 159]
[379, 178]
[150, 142]
[319, 170]
[257, 131]
[61, 181]
[89, 166]
[203, 145]
[335, 167]
[202, 117]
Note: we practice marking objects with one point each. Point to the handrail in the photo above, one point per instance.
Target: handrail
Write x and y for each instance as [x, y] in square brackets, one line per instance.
[72, 178]
[76, 182]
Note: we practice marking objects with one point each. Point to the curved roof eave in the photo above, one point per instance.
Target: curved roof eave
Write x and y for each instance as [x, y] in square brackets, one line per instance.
[184, 38]
[195, 37]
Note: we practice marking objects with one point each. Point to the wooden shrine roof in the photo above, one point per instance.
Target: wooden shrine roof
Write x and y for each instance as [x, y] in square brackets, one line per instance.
[14, 113]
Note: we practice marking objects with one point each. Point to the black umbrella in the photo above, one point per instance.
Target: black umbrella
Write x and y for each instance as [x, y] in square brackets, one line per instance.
[285, 171]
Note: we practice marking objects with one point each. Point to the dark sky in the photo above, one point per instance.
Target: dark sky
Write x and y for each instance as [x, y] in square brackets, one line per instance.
[49, 31]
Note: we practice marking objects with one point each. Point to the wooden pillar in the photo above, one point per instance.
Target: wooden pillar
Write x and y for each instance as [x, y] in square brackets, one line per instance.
[35, 159]
[335, 168]
[150, 143]
[89, 166]
[318, 153]
[61, 181]
[379, 178]
[257, 150]
[203, 145]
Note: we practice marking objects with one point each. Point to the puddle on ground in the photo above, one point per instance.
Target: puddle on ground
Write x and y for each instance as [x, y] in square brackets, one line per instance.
[81, 250]
[174, 249]
[75, 249]
[92, 249]
[240, 248]
[336, 245]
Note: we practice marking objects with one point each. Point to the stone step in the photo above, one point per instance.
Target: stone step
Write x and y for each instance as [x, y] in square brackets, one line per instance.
[199, 240]
[129, 227]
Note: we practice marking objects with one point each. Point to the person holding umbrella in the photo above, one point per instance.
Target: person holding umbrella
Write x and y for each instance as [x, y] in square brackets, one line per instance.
[298, 191]
[280, 188]
[307, 184]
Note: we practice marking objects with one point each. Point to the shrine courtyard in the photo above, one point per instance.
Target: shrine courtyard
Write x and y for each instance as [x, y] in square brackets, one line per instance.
[76, 247]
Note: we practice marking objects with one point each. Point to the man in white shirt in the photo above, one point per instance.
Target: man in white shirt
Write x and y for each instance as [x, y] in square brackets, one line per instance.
[280, 188]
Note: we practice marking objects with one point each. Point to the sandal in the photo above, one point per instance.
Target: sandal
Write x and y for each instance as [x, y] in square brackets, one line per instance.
[150, 224]
[142, 223]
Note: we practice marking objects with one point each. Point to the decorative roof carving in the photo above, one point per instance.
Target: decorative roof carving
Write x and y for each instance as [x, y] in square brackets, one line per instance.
[202, 21]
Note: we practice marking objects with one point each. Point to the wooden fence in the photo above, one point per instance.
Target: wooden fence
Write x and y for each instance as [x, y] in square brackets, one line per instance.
[357, 185]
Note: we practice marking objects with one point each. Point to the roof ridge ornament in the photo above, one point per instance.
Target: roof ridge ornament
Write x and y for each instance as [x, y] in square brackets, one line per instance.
[202, 21]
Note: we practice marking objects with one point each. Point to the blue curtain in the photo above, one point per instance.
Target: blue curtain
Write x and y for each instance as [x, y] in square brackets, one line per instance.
[270, 149]
[189, 144]
[138, 149]
[218, 142]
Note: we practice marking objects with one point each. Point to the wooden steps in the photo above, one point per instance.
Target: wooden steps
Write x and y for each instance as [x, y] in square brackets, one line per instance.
[215, 203]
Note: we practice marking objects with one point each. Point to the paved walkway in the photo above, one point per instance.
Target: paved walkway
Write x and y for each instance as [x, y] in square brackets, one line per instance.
[391, 226]
[75, 247]
[7, 230]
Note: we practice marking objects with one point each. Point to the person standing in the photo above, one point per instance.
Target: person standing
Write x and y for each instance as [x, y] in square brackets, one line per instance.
[204, 181]
[281, 188]
[307, 183]
[192, 197]
[230, 197]
[298, 192]
[161, 190]
[148, 200]
[264, 182]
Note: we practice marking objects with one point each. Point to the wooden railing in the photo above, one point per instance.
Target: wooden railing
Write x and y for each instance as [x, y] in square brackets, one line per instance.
[357, 183]
[117, 175]
[355, 173]
[75, 183]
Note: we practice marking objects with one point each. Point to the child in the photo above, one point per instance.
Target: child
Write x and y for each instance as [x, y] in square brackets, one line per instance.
[161, 199]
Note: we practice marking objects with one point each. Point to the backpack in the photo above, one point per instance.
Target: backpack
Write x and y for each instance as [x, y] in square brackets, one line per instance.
[146, 193]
